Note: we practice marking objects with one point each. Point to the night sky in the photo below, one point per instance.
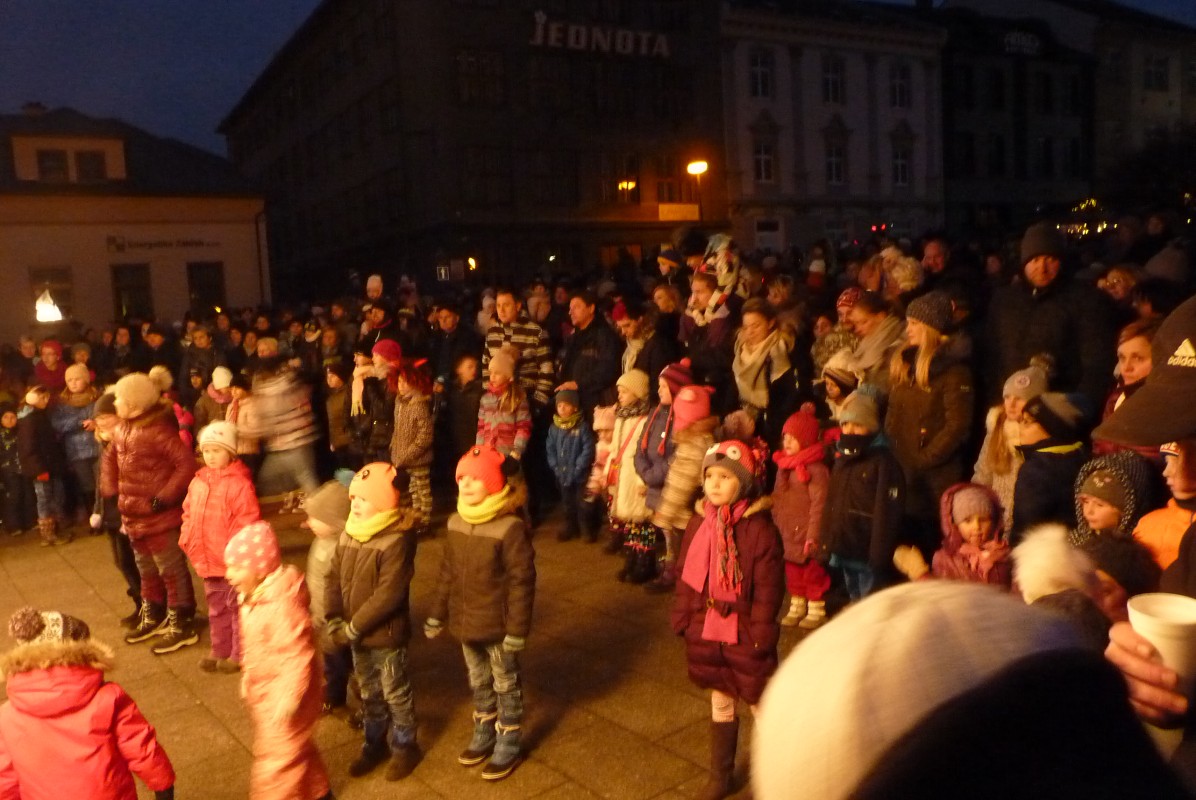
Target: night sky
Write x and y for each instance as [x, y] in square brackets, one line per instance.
[173, 68]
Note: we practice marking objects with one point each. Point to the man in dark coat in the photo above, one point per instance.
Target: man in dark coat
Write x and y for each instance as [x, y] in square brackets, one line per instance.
[590, 363]
[451, 341]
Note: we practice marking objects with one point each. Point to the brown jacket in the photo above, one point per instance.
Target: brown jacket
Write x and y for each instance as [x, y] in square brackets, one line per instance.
[370, 584]
[146, 461]
[411, 443]
[487, 577]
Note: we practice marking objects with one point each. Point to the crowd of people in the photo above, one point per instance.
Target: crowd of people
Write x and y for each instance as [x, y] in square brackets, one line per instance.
[764, 440]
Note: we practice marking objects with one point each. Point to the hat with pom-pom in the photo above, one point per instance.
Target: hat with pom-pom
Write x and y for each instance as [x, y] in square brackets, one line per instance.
[78, 372]
[375, 483]
[222, 378]
[604, 418]
[634, 381]
[137, 393]
[255, 548]
[1026, 383]
[735, 456]
[802, 426]
[690, 404]
[27, 625]
[972, 501]
[161, 377]
[486, 464]
[677, 376]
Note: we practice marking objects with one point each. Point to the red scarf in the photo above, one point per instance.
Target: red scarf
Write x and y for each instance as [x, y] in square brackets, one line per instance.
[982, 559]
[800, 460]
[713, 548]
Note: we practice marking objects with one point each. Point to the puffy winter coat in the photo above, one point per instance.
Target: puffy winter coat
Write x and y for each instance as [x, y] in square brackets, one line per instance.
[38, 446]
[864, 504]
[68, 419]
[283, 410]
[281, 669]
[626, 492]
[571, 453]
[219, 503]
[67, 733]
[684, 473]
[487, 581]
[209, 409]
[411, 442]
[741, 669]
[336, 406]
[374, 427]
[1044, 491]
[653, 452]
[949, 563]
[370, 584]
[1162, 529]
[797, 508]
[146, 460]
[507, 431]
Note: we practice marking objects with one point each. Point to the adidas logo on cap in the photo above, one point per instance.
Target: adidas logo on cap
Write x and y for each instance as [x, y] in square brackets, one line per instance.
[1184, 355]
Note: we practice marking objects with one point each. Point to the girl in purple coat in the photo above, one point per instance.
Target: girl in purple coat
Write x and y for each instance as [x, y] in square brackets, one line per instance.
[730, 590]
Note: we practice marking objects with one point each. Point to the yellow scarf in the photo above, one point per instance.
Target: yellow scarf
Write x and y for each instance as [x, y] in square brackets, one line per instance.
[486, 510]
[365, 530]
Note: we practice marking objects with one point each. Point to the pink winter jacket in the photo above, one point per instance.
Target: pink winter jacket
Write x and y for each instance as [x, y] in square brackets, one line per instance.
[219, 503]
[283, 686]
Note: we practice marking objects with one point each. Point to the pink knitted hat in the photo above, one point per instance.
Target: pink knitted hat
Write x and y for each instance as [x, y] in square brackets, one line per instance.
[690, 404]
[255, 548]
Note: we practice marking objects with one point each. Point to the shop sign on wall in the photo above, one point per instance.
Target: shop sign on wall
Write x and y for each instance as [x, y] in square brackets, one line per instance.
[598, 38]
[122, 244]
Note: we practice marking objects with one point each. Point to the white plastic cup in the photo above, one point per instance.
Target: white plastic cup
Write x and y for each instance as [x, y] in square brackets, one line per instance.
[1168, 621]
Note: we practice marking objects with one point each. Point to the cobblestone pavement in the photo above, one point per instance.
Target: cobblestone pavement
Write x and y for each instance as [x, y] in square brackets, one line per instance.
[610, 712]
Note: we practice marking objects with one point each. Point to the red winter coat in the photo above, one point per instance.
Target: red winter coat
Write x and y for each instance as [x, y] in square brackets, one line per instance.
[219, 503]
[147, 459]
[283, 686]
[740, 669]
[797, 508]
[65, 733]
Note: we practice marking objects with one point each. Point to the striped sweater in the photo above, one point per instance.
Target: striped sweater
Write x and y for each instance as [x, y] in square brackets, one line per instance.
[535, 368]
[507, 431]
[283, 415]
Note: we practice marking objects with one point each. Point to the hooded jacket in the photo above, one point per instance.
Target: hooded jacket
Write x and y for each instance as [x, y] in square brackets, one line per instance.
[571, 453]
[1133, 472]
[864, 505]
[654, 452]
[67, 419]
[627, 498]
[1044, 491]
[67, 733]
[411, 442]
[487, 583]
[370, 584]
[219, 503]
[797, 508]
[684, 473]
[948, 562]
[38, 446]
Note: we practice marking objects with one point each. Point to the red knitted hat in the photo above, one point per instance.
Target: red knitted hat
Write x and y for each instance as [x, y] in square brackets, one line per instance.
[677, 376]
[388, 349]
[375, 483]
[803, 425]
[848, 297]
[255, 548]
[690, 404]
[484, 463]
[619, 312]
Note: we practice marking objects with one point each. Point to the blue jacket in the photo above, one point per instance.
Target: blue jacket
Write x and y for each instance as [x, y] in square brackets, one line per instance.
[653, 454]
[571, 453]
[67, 420]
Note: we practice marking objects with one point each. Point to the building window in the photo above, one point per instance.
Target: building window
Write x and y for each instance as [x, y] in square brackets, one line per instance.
[132, 292]
[996, 156]
[1075, 158]
[1157, 74]
[485, 176]
[900, 85]
[612, 88]
[479, 78]
[836, 163]
[90, 166]
[834, 89]
[902, 153]
[673, 183]
[965, 88]
[619, 178]
[1075, 95]
[1044, 157]
[205, 287]
[1044, 93]
[762, 69]
[551, 178]
[59, 282]
[671, 90]
[763, 162]
[996, 89]
[52, 166]
[965, 154]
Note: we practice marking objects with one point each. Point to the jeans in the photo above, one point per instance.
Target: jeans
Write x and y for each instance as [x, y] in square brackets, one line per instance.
[223, 625]
[494, 679]
[49, 497]
[386, 697]
[858, 576]
[85, 470]
[284, 470]
[165, 579]
[338, 666]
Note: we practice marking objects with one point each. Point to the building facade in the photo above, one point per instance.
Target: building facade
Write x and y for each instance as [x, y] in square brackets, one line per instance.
[527, 136]
[115, 222]
[833, 122]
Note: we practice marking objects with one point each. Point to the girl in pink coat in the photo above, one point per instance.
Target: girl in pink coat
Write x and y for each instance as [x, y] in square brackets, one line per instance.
[282, 682]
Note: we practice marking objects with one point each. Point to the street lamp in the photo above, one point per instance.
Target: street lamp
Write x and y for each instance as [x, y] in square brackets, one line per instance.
[698, 169]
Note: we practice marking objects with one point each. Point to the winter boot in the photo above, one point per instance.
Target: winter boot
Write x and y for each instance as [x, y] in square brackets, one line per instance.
[816, 617]
[615, 543]
[506, 752]
[628, 569]
[180, 632]
[47, 530]
[482, 744]
[151, 623]
[797, 611]
[666, 579]
[724, 737]
[130, 622]
[591, 520]
[405, 755]
[641, 566]
[374, 751]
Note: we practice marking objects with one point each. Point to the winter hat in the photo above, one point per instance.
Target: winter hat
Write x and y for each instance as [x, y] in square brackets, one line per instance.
[838, 369]
[1056, 413]
[735, 456]
[690, 404]
[634, 381]
[619, 312]
[329, 504]
[972, 501]
[1104, 485]
[739, 425]
[105, 404]
[1026, 384]
[388, 349]
[503, 363]
[162, 378]
[1169, 449]
[802, 426]
[241, 381]
[28, 625]
[53, 344]
[373, 282]
[672, 256]
[1125, 560]
[678, 375]
[860, 408]
[848, 297]
[604, 418]
[35, 393]
[486, 464]
[375, 483]
[340, 369]
[78, 371]
[1042, 239]
[222, 378]
[269, 344]
[137, 393]
[255, 548]
[220, 433]
[932, 309]
[905, 272]
[569, 396]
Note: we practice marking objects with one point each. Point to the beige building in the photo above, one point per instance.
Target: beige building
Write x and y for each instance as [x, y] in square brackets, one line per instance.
[115, 223]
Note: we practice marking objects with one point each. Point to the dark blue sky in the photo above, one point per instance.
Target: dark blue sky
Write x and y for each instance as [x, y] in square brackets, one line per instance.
[174, 68]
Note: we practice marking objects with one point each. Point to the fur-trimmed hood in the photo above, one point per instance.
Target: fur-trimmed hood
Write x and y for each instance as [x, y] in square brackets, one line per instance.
[164, 409]
[1045, 563]
[44, 655]
[696, 431]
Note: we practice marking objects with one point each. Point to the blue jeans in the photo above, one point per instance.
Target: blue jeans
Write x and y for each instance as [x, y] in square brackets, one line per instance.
[387, 701]
[284, 470]
[49, 497]
[857, 575]
[494, 679]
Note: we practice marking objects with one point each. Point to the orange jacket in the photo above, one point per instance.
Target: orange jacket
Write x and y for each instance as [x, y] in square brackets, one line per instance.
[1161, 530]
[219, 503]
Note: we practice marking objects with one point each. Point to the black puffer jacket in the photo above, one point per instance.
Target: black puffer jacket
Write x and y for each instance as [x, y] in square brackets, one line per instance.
[862, 517]
[1045, 491]
[373, 428]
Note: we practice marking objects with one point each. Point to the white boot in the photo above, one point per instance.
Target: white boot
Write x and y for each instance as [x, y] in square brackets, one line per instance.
[797, 610]
[816, 617]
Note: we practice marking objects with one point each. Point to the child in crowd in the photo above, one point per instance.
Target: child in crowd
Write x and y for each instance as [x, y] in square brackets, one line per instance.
[464, 397]
[372, 398]
[65, 731]
[654, 449]
[327, 509]
[692, 435]
[220, 501]
[1000, 457]
[570, 456]
[336, 409]
[71, 418]
[281, 683]
[861, 520]
[147, 469]
[839, 380]
[485, 593]
[213, 402]
[1134, 362]
[1162, 529]
[728, 595]
[367, 601]
[50, 372]
[411, 445]
[242, 412]
[42, 462]
[105, 516]
[798, 499]
[20, 504]
[973, 548]
[504, 421]
[1053, 454]
[594, 500]
[1112, 492]
[165, 382]
[626, 493]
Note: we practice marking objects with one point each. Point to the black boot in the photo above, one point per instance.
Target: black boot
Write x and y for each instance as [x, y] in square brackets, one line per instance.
[374, 751]
[151, 623]
[614, 543]
[179, 633]
[643, 566]
[724, 737]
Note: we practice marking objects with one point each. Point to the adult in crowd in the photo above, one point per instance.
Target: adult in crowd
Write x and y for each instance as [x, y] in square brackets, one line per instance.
[380, 324]
[673, 270]
[880, 335]
[284, 421]
[513, 327]
[661, 348]
[764, 376]
[708, 333]
[160, 351]
[590, 363]
[200, 355]
[451, 341]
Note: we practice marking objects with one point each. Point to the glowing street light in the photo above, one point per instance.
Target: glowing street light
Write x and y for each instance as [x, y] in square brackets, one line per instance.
[473, 263]
[698, 169]
[46, 309]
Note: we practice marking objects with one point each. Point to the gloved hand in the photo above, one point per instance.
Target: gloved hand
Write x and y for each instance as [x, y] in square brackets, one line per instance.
[156, 504]
[95, 520]
[909, 561]
[165, 794]
[433, 628]
[513, 644]
[343, 635]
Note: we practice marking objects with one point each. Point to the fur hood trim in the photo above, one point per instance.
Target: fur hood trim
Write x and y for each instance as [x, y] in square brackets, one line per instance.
[44, 655]
[517, 499]
[992, 418]
[164, 409]
[1045, 563]
[758, 506]
[696, 431]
